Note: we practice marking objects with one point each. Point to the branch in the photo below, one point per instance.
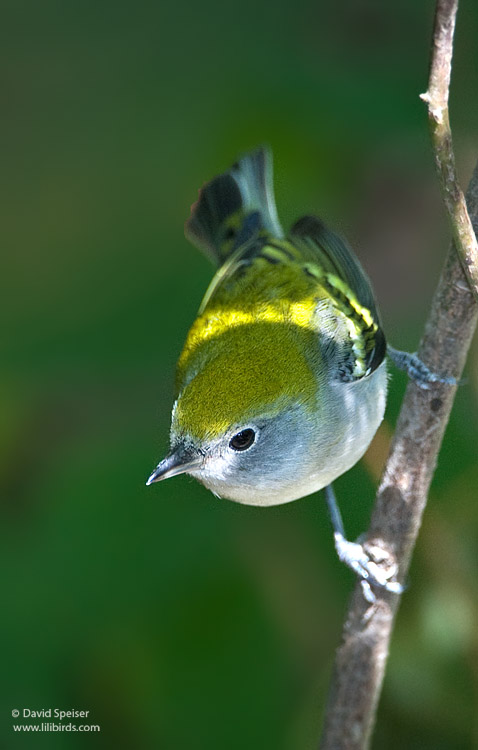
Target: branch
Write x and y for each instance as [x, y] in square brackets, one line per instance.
[437, 100]
[361, 658]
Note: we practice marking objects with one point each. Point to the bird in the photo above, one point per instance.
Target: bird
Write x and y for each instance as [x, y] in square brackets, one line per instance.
[282, 381]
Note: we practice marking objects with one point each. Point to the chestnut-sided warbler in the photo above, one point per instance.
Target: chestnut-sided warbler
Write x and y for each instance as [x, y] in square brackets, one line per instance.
[282, 381]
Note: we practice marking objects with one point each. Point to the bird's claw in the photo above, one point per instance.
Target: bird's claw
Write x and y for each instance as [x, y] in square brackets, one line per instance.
[373, 566]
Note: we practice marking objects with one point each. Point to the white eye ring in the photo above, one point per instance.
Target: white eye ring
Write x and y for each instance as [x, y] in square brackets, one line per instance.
[243, 440]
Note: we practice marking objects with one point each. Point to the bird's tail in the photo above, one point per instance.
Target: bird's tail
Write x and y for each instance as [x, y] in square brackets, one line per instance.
[233, 207]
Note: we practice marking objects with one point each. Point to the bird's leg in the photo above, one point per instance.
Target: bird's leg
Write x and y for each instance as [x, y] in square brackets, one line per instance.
[416, 369]
[355, 556]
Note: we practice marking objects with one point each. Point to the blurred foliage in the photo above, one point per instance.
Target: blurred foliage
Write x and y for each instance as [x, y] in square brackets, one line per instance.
[180, 621]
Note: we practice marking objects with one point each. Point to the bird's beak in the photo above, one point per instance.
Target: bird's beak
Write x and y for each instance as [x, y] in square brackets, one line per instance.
[178, 461]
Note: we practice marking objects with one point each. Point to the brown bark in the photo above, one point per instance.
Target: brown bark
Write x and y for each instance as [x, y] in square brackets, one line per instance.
[361, 658]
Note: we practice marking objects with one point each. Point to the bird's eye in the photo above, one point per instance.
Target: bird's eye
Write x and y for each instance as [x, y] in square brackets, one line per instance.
[243, 440]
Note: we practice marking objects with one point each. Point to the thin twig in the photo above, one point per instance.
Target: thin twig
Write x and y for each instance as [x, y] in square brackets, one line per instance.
[436, 98]
[361, 659]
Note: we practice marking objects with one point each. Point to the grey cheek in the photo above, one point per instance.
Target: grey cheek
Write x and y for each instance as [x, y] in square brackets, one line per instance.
[263, 464]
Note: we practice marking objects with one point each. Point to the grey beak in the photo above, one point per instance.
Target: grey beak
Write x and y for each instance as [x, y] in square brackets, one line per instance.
[178, 461]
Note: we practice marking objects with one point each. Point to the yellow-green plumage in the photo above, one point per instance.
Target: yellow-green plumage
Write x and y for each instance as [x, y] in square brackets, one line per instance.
[260, 320]
[259, 326]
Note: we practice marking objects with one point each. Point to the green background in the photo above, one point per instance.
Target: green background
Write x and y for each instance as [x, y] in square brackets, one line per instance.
[178, 620]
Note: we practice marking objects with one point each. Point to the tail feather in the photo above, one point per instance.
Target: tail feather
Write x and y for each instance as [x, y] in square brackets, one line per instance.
[253, 174]
[234, 206]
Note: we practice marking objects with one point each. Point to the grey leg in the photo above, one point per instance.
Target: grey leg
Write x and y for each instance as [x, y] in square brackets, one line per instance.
[416, 369]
